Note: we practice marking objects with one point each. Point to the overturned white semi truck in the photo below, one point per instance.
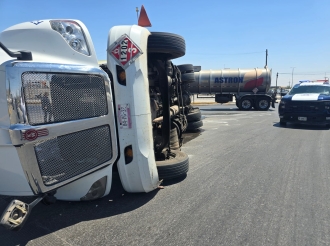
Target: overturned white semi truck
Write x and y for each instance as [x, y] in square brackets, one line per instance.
[66, 121]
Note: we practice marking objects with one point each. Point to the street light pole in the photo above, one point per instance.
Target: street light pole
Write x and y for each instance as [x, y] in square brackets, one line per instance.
[292, 76]
[137, 13]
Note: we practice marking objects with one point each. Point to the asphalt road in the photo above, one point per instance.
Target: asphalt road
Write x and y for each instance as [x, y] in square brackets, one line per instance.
[251, 182]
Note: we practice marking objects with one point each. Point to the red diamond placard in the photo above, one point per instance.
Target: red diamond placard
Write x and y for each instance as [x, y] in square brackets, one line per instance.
[125, 51]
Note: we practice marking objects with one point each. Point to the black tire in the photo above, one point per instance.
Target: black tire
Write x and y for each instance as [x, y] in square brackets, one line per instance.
[194, 115]
[194, 125]
[262, 104]
[245, 104]
[186, 99]
[173, 167]
[282, 122]
[186, 68]
[188, 78]
[166, 45]
[187, 73]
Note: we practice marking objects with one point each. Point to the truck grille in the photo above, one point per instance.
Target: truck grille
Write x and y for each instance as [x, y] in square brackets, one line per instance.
[67, 156]
[308, 107]
[59, 97]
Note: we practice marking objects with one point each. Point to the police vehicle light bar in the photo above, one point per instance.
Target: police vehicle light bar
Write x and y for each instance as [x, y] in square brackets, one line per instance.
[325, 81]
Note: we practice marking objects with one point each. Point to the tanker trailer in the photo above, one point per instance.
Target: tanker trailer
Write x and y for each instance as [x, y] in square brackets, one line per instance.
[248, 86]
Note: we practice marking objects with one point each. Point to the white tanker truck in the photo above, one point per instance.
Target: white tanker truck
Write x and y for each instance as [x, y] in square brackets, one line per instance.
[248, 86]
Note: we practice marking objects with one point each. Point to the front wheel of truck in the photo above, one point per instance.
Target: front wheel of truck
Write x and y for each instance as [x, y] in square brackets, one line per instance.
[166, 45]
[176, 166]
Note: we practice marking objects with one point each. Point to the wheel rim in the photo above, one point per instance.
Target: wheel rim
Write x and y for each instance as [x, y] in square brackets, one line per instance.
[263, 104]
[246, 104]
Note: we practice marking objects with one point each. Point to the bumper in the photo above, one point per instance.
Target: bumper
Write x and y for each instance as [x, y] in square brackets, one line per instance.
[305, 118]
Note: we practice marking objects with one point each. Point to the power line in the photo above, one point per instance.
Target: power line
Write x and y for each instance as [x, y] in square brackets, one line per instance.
[228, 54]
[308, 73]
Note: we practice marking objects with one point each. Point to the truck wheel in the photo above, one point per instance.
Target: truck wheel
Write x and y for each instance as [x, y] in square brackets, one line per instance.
[245, 104]
[194, 115]
[282, 122]
[186, 99]
[194, 125]
[263, 104]
[166, 45]
[187, 73]
[186, 68]
[174, 167]
[188, 78]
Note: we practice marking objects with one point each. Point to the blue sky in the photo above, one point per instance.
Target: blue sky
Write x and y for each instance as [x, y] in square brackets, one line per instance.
[219, 34]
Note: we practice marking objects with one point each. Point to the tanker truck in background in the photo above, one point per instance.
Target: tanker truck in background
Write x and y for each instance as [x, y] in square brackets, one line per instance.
[66, 121]
[248, 87]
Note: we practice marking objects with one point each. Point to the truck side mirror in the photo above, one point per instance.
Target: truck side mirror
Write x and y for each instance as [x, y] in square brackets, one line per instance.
[17, 213]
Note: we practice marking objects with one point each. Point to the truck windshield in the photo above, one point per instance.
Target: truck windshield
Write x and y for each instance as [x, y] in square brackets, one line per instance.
[311, 89]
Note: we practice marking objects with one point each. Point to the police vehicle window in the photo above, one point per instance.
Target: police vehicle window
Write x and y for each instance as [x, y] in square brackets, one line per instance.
[310, 89]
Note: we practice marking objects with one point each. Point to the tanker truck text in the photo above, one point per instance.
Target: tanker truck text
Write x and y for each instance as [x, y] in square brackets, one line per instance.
[228, 80]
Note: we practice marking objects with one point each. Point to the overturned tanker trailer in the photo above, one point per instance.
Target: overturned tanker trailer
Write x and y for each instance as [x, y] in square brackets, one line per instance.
[248, 86]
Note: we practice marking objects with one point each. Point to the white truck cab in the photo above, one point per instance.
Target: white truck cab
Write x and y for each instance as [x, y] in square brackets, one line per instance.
[65, 121]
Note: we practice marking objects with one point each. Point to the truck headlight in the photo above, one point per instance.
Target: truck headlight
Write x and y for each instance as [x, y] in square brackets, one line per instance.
[72, 33]
[97, 190]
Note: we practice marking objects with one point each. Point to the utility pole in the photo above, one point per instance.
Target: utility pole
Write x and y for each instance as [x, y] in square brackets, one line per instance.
[137, 13]
[292, 76]
[276, 81]
[266, 57]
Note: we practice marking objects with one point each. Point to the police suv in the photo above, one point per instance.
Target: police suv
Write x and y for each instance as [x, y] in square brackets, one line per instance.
[307, 102]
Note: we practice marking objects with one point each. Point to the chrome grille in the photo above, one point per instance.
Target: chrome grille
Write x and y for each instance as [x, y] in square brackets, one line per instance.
[59, 97]
[69, 155]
